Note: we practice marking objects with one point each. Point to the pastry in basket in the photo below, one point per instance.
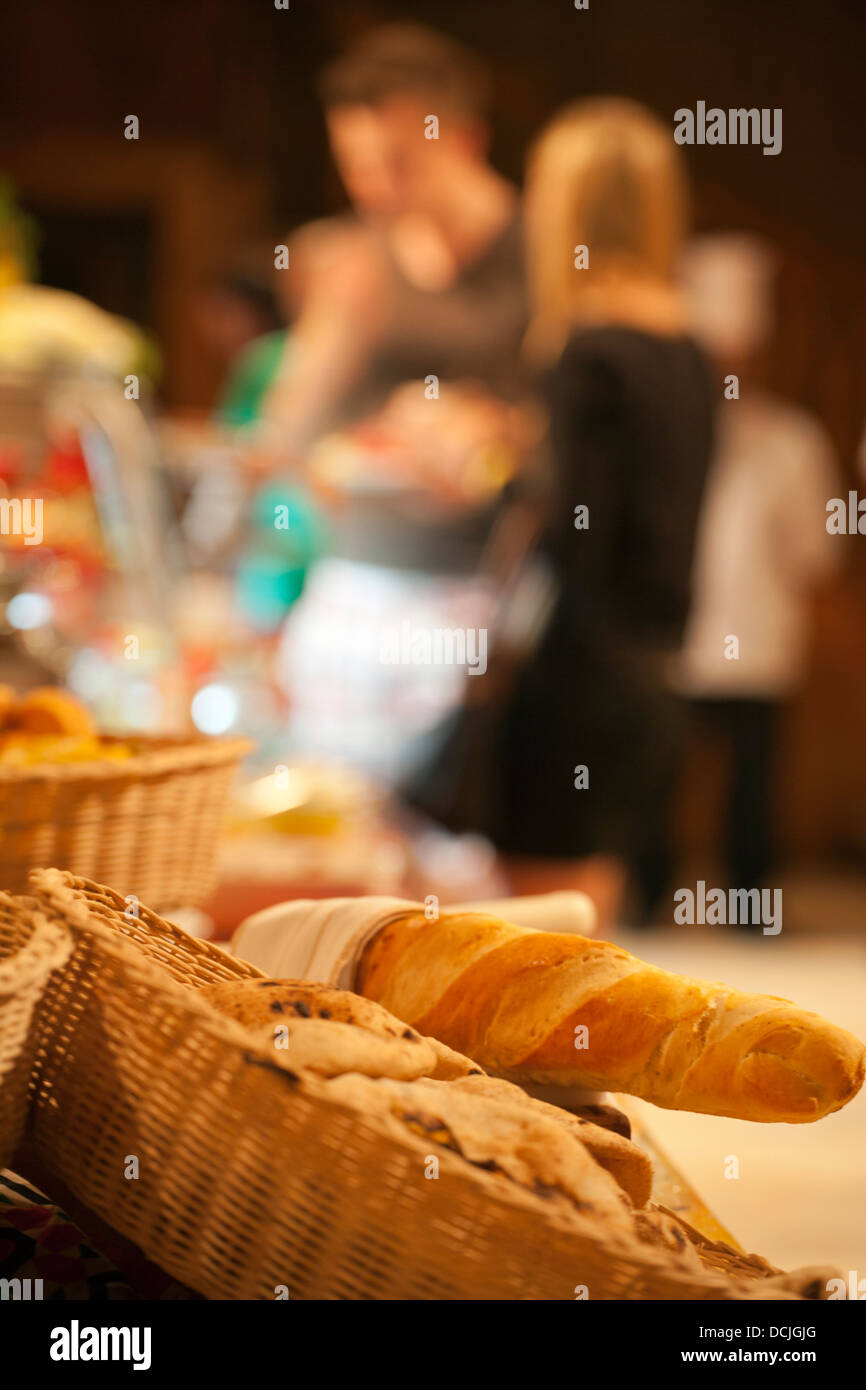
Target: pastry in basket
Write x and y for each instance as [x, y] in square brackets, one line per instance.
[625, 1161]
[260, 1004]
[451, 1065]
[257, 1002]
[47, 710]
[511, 1140]
[605, 1116]
[559, 1009]
[329, 1031]
[47, 725]
[19, 749]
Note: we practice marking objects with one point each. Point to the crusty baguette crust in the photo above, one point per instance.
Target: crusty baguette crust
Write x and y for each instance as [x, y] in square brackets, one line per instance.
[514, 1000]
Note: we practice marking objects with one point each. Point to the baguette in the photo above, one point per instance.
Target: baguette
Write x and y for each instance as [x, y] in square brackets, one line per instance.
[551, 1008]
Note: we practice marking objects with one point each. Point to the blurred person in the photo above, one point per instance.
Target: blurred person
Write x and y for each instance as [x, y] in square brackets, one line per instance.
[248, 316]
[422, 280]
[763, 546]
[425, 275]
[242, 323]
[245, 323]
[630, 401]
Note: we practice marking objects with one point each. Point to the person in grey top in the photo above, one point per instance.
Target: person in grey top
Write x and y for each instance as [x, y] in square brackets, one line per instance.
[420, 288]
[425, 276]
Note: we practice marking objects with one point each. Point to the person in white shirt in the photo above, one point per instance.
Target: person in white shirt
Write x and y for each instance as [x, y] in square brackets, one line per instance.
[762, 548]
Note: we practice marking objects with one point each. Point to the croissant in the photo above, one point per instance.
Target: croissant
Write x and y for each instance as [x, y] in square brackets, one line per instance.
[561, 1009]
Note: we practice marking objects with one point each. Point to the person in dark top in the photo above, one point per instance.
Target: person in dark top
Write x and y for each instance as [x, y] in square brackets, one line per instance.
[591, 730]
[425, 274]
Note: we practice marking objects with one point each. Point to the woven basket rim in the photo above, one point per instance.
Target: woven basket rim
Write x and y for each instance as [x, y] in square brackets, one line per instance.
[65, 892]
[61, 892]
[160, 756]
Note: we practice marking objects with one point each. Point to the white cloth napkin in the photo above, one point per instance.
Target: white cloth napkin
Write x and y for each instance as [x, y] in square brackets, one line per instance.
[317, 939]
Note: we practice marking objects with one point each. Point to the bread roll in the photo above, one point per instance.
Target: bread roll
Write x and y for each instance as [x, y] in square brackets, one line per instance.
[628, 1164]
[255, 1001]
[325, 1030]
[562, 1009]
[451, 1065]
[513, 1143]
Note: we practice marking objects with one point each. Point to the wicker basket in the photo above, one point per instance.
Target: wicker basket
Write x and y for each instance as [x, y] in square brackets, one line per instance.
[250, 1180]
[149, 824]
[30, 949]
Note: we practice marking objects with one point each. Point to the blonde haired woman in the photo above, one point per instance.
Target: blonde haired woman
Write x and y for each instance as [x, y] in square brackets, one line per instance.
[591, 735]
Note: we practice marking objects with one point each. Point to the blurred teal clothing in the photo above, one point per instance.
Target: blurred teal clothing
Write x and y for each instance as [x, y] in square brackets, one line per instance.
[288, 535]
[286, 531]
[253, 373]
